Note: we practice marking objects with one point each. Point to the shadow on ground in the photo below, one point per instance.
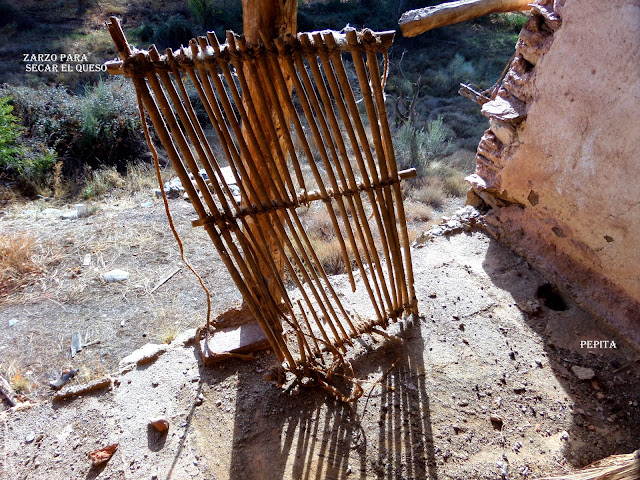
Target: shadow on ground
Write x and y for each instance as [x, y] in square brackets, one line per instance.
[604, 418]
[307, 434]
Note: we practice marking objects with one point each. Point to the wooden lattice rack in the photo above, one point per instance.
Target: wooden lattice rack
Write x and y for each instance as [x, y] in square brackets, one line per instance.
[315, 123]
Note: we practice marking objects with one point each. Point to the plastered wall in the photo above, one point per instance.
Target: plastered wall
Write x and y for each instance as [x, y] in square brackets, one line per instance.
[561, 162]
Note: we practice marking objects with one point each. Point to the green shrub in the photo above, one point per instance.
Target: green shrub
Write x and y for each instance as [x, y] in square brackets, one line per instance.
[10, 131]
[172, 32]
[416, 148]
[101, 127]
[202, 11]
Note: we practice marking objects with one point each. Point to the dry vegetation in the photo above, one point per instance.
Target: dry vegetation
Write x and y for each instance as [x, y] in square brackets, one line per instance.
[22, 261]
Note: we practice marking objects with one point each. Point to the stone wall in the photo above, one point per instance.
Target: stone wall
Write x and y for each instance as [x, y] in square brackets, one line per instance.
[560, 164]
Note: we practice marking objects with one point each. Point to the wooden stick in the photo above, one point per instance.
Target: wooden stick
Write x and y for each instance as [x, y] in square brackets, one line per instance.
[313, 337]
[332, 178]
[279, 171]
[415, 22]
[291, 110]
[165, 279]
[279, 228]
[386, 202]
[352, 200]
[264, 71]
[276, 224]
[360, 219]
[210, 164]
[161, 129]
[267, 259]
[262, 98]
[301, 68]
[336, 60]
[7, 392]
[411, 302]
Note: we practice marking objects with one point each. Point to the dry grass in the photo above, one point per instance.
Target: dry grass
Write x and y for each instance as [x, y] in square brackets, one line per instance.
[20, 263]
[140, 179]
[418, 212]
[21, 384]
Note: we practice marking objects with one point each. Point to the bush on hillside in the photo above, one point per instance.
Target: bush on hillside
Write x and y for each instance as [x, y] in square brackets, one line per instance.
[99, 128]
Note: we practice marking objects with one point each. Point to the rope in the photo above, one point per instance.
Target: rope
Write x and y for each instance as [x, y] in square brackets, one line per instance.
[156, 163]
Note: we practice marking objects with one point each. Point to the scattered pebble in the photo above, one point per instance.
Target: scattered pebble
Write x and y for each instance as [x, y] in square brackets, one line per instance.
[583, 373]
[30, 438]
[496, 420]
[115, 276]
[103, 455]
[69, 214]
[13, 322]
[161, 424]
[519, 388]
[564, 435]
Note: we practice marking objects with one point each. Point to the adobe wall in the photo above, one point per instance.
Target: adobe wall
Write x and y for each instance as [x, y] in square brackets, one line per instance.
[561, 161]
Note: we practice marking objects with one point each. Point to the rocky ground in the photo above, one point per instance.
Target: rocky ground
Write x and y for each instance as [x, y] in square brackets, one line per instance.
[491, 382]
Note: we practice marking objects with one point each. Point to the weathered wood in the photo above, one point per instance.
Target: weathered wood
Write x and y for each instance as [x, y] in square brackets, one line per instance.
[7, 392]
[246, 88]
[273, 19]
[415, 22]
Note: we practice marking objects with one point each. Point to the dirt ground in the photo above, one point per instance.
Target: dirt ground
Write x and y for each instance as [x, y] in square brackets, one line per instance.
[484, 385]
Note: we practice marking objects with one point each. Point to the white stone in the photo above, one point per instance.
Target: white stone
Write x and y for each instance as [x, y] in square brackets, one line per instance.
[115, 276]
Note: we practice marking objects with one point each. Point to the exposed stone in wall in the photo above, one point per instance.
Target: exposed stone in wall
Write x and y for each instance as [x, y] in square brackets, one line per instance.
[561, 160]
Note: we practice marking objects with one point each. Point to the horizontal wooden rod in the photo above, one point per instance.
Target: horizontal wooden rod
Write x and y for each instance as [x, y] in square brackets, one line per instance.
[312, 196]
[379, 41]
[415, 22]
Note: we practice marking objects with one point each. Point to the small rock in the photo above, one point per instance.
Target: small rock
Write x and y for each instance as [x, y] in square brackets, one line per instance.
[592, 428]
[600, 396]
[199, 399]
[538, 427]
[161, 424]
[82, 209]
[148, 204]
[519, 388]
[583, 373]
[64, 377]
[564, 435]
[517, 446]
[69, 214]
[530, 307]
[30, 438]
[421, 239]
[145, 354]
[115, 276]
[496, 421]
[13, 322]
[103, 455]
[433, 295]
[185, 338]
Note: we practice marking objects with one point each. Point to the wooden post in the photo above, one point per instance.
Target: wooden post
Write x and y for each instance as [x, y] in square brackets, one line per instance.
[273, 19]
